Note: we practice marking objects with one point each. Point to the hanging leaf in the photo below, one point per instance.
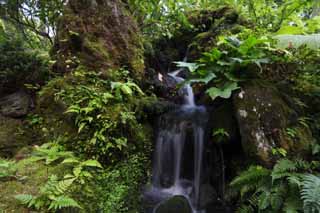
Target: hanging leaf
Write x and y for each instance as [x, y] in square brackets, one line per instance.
[205, 80]
[91, 163]
[192, 67]
[224, 92]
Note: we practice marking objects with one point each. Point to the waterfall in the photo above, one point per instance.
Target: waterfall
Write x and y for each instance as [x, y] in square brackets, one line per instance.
[180, 130]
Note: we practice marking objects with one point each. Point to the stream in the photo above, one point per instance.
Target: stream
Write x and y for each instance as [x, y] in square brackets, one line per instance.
[178, 156]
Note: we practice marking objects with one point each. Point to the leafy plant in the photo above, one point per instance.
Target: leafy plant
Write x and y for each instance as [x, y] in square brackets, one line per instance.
[104, 114]
[220, 134]
[309, 193]
[8, 169]
[279, 189]
[55, 194]
[230, 62]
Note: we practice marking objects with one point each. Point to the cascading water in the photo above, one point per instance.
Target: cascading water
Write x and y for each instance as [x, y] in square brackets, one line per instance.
[181, 133]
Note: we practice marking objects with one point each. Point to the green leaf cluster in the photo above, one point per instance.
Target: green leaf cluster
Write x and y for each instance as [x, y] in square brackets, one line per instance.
[104, 113]
[288, 187]
[57, 191]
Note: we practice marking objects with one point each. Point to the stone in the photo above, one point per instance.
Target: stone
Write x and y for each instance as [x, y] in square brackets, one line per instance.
[264, 118]
[15, 105]
[12, 139]
[100, 35]
[174, 205]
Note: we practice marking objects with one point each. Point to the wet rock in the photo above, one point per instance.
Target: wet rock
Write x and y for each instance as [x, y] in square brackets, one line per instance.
[166, 87]
[174, 205]
[267, 123]
[15, 105]
[207, 195]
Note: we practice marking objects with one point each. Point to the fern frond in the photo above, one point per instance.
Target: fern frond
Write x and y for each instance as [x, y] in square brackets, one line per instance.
[24, 199]
[310, 193]
[250, 176]
[292, 204]
[282, 169]
[63, 202]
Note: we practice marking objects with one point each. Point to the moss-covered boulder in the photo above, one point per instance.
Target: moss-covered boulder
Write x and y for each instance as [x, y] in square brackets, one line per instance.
[15, 105]
[13, 136]
[269, 126]
[100, 35]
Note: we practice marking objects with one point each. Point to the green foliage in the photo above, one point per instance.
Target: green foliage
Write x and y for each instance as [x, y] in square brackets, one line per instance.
[310, 193]
[56, 193]
[20, 65]
[118, 187]
[35, 20]
[231, 62]
[7, 169]
[279, 189]
[220, 134]
[104, 114]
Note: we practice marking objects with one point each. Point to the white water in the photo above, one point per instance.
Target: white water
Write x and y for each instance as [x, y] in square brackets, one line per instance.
[169, 154]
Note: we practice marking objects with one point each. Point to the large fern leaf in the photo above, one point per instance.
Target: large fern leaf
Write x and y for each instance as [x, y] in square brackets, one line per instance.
[24, 198]
[283, 168]
[63, 202]
[310, 193]
[250, 176]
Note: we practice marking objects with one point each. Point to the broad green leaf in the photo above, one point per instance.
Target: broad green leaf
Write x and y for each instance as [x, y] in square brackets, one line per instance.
[224, 92]
[192, 67]
[91, 163]
[205, 80]
[2, 25]
[70, 160]
[290, 30]
[126, 90]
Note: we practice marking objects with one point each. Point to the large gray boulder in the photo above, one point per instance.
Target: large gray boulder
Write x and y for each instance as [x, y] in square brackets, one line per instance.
[15, 105]
[269, 123]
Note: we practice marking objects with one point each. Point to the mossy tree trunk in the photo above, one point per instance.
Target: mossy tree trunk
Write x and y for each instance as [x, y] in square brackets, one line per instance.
[100, 35]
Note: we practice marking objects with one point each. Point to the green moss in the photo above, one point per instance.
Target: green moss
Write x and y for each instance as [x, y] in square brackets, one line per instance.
[13, 136]
[30, 176]
[100, 38]
[264, 116]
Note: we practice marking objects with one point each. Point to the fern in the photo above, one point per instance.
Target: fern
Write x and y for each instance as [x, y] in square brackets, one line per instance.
[283, 168]
[279, 190]
[310, 193]
[250, 178]
[25, 199]
[50, 153]
[7, 169]
[63, 202]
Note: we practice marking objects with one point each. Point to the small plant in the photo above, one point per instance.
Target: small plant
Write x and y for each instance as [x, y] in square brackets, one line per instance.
[56, 193]
[285, 188]
[8, 169]
[291, 132]
[226, 65]
[279, 152]
[102, 110]
[220, 134]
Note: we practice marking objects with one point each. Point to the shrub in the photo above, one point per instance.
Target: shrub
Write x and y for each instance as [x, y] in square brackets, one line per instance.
[20, 66]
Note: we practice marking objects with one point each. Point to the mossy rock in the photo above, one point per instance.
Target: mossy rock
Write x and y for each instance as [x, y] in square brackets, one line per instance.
[100, 35]
[265, 119]
[13, 136]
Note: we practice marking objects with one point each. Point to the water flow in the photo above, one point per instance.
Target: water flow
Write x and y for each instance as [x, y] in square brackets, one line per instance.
[186, 89]
[178, 129]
